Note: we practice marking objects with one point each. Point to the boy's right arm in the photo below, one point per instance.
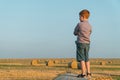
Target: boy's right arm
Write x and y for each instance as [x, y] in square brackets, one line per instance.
[76, 30]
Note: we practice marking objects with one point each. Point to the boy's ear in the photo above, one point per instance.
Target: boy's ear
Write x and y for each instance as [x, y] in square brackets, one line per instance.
[83, 17]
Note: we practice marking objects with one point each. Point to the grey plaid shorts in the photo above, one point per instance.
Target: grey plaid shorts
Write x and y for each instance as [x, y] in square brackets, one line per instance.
[82, 50]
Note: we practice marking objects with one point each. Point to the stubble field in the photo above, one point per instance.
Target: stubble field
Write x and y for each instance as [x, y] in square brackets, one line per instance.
[49, 69]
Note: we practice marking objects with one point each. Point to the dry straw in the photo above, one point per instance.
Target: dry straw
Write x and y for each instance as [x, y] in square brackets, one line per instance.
[50, 63]
[34, 62]
[102, 63]
[73, 64]
[56, 61]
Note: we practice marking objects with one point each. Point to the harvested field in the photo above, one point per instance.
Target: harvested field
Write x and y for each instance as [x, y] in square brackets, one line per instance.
[21, 69]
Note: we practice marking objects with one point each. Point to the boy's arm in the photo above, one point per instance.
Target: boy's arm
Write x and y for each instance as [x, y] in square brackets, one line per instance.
[76, 30]
[91, 31]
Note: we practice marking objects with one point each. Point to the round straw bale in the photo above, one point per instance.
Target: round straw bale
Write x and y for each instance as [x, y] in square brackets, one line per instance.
[110, 62]
[102, 63]
[73, 64]
[50, 63]
[62, 61]
[34, 62]
[56, 61]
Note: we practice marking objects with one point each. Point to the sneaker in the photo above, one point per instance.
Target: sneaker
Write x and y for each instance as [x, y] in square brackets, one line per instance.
[81, 76]
[89, 75]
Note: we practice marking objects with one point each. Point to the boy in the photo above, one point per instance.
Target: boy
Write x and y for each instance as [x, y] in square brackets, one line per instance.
[83, 31]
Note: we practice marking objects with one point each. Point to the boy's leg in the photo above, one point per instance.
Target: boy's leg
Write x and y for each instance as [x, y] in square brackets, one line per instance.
[87, 62]
[83, 67]
[81, 58]
[87, 66]
[88, 69]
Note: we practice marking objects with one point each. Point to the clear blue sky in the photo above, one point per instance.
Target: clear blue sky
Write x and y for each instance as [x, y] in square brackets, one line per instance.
[44, 28]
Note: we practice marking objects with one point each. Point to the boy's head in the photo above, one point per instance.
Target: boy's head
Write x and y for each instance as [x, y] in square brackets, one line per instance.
[84, 14]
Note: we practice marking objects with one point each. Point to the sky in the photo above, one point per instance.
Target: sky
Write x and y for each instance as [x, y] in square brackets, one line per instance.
[44, 28]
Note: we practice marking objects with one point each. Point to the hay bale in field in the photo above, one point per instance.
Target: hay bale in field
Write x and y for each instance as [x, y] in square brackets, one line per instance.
[73, 64]
[34, 62]
[56, 61]
[102, 63]
[110, 62]
[62, 61]
[69, 76]
[50, 63]
[41, 61]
